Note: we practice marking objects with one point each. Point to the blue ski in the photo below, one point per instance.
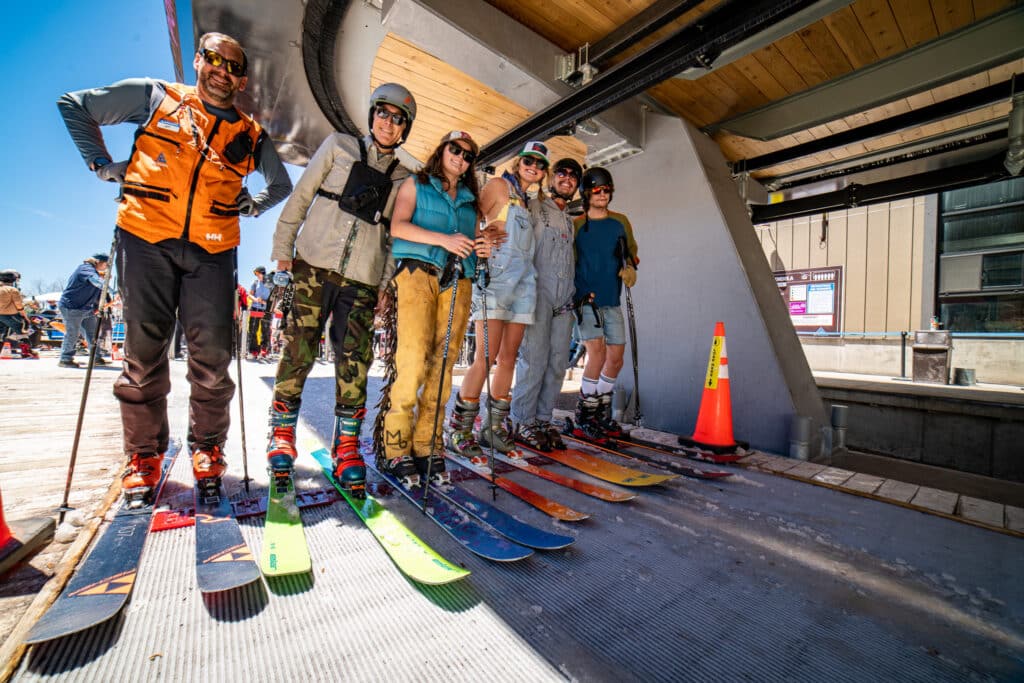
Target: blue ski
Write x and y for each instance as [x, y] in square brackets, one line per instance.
[476, 537]
[504, 523]
[223, 560]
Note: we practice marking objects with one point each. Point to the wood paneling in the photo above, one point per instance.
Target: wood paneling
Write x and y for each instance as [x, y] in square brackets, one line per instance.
[447, 99]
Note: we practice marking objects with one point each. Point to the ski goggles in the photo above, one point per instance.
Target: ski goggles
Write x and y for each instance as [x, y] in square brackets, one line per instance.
[456, 149]
[534, 161]
[216, 59]
[397, 118]
[601, 189]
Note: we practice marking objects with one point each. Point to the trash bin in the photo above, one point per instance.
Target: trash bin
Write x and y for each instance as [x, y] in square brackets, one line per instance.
[932, 351]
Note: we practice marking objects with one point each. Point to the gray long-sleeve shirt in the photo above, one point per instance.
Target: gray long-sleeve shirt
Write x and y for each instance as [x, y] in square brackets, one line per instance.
[134, 100]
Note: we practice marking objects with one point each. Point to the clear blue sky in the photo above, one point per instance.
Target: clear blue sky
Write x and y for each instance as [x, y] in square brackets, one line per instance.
[53, 211]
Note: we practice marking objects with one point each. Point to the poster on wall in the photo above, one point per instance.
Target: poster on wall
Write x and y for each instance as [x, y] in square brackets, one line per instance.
[813, 297]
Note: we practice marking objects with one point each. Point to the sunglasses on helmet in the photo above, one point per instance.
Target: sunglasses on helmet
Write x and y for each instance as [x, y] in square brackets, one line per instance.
[601, 189]
[216, 59]
[383, 113]
[529, 161]
[456, 149]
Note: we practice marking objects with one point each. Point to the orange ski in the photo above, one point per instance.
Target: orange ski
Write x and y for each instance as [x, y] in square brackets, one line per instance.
[594, 490]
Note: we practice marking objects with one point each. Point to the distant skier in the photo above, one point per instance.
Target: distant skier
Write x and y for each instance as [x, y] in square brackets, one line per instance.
[601, 270]
[14, 319]
[78, 308]
[259, 315]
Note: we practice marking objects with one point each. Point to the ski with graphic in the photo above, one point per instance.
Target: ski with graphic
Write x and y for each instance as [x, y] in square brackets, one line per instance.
[685, 451]
[104, 581]
[411, 555]
[223, 560]
[284, 549]
[545, 505]
[646, 455]
[601, 492]
[599, 468]
[473, 535]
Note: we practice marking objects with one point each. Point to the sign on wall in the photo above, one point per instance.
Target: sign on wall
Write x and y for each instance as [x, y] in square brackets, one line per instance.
[813, 296]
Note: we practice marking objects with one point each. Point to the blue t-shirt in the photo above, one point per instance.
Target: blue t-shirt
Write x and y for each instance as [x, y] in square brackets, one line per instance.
[599, 257]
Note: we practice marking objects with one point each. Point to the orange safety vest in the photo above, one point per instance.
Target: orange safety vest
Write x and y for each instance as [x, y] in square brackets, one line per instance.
[179, 183]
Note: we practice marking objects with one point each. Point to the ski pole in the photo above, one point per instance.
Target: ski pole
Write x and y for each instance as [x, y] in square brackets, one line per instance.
[453, 263]
[64, 508]
[235, 318]
[627, 259]
[483, 279]
[638, 416]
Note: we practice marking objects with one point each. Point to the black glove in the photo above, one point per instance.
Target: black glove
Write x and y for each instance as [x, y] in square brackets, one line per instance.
[112, 172]
[246, 204]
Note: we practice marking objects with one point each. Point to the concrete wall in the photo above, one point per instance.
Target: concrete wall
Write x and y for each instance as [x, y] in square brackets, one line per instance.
[995, 361]
[701, 262]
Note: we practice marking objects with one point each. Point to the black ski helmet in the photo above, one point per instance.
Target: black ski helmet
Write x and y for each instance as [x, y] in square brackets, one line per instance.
[596, 177]
[397, 96]
[570, 164]
[9, 277]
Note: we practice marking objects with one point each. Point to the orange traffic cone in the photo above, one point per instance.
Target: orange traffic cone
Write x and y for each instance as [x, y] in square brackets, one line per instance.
[115, 352]
[6, 354]
[714, 421]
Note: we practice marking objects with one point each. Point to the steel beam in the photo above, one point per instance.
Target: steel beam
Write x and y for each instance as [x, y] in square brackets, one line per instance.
[912, 119]
[725, 25]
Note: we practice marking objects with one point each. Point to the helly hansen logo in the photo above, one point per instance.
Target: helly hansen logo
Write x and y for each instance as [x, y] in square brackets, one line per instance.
[161, 159]
[214, 237]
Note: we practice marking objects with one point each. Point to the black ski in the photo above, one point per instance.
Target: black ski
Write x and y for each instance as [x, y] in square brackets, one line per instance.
[104, 581]
[685, 451]
[223, 560]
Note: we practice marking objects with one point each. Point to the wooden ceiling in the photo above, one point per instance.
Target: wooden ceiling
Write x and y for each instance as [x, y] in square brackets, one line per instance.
[853, 37]
[448, 99]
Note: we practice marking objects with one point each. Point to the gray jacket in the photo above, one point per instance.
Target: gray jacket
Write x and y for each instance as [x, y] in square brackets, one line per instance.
[315, 229]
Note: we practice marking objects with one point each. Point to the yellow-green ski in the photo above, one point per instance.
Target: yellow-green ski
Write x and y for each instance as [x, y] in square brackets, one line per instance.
[284, 542]
[414, 558]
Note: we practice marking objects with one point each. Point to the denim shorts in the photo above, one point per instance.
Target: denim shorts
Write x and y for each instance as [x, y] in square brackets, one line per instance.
[613, 325]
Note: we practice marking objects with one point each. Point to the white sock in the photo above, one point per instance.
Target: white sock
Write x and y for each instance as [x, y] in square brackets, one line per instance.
[588, 387]
[605, 385]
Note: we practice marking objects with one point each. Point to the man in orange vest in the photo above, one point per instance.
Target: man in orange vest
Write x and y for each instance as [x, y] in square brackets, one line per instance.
[182, 193]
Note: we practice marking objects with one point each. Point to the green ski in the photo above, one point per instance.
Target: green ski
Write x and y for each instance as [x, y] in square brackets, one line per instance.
[414, 558]
[284, 542]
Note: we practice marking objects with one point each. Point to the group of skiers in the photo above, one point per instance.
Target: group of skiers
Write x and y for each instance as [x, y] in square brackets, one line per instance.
[362, 238]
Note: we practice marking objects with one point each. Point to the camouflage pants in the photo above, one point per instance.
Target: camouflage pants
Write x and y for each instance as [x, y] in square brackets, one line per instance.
[422, 322]
[320, 293]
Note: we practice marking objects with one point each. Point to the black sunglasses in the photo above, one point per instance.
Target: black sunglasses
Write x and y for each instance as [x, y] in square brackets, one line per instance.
[533, 161]
[216, 59]
[397, 118]
[457, 150]
[567, 173]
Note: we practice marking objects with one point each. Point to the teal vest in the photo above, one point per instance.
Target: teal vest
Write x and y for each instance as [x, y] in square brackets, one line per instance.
[437, 211]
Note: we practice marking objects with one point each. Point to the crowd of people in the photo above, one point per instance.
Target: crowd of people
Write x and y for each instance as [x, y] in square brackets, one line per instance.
[362, 242]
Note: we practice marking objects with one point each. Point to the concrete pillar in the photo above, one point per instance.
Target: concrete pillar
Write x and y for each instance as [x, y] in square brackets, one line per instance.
[700, 261]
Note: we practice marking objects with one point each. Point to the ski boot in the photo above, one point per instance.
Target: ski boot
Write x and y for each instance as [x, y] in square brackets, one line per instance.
[140, 479]
[401, 468]
[458, 434]
[349, 468]
[493, 429]
[208, 466]
[26, 351]
[281, 451]
[534, 435]
[586, 426]
[554, 435]
[611, 428]
[438, 471]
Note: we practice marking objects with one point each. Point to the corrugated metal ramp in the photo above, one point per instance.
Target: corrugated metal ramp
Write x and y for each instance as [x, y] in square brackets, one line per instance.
[757, 578]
